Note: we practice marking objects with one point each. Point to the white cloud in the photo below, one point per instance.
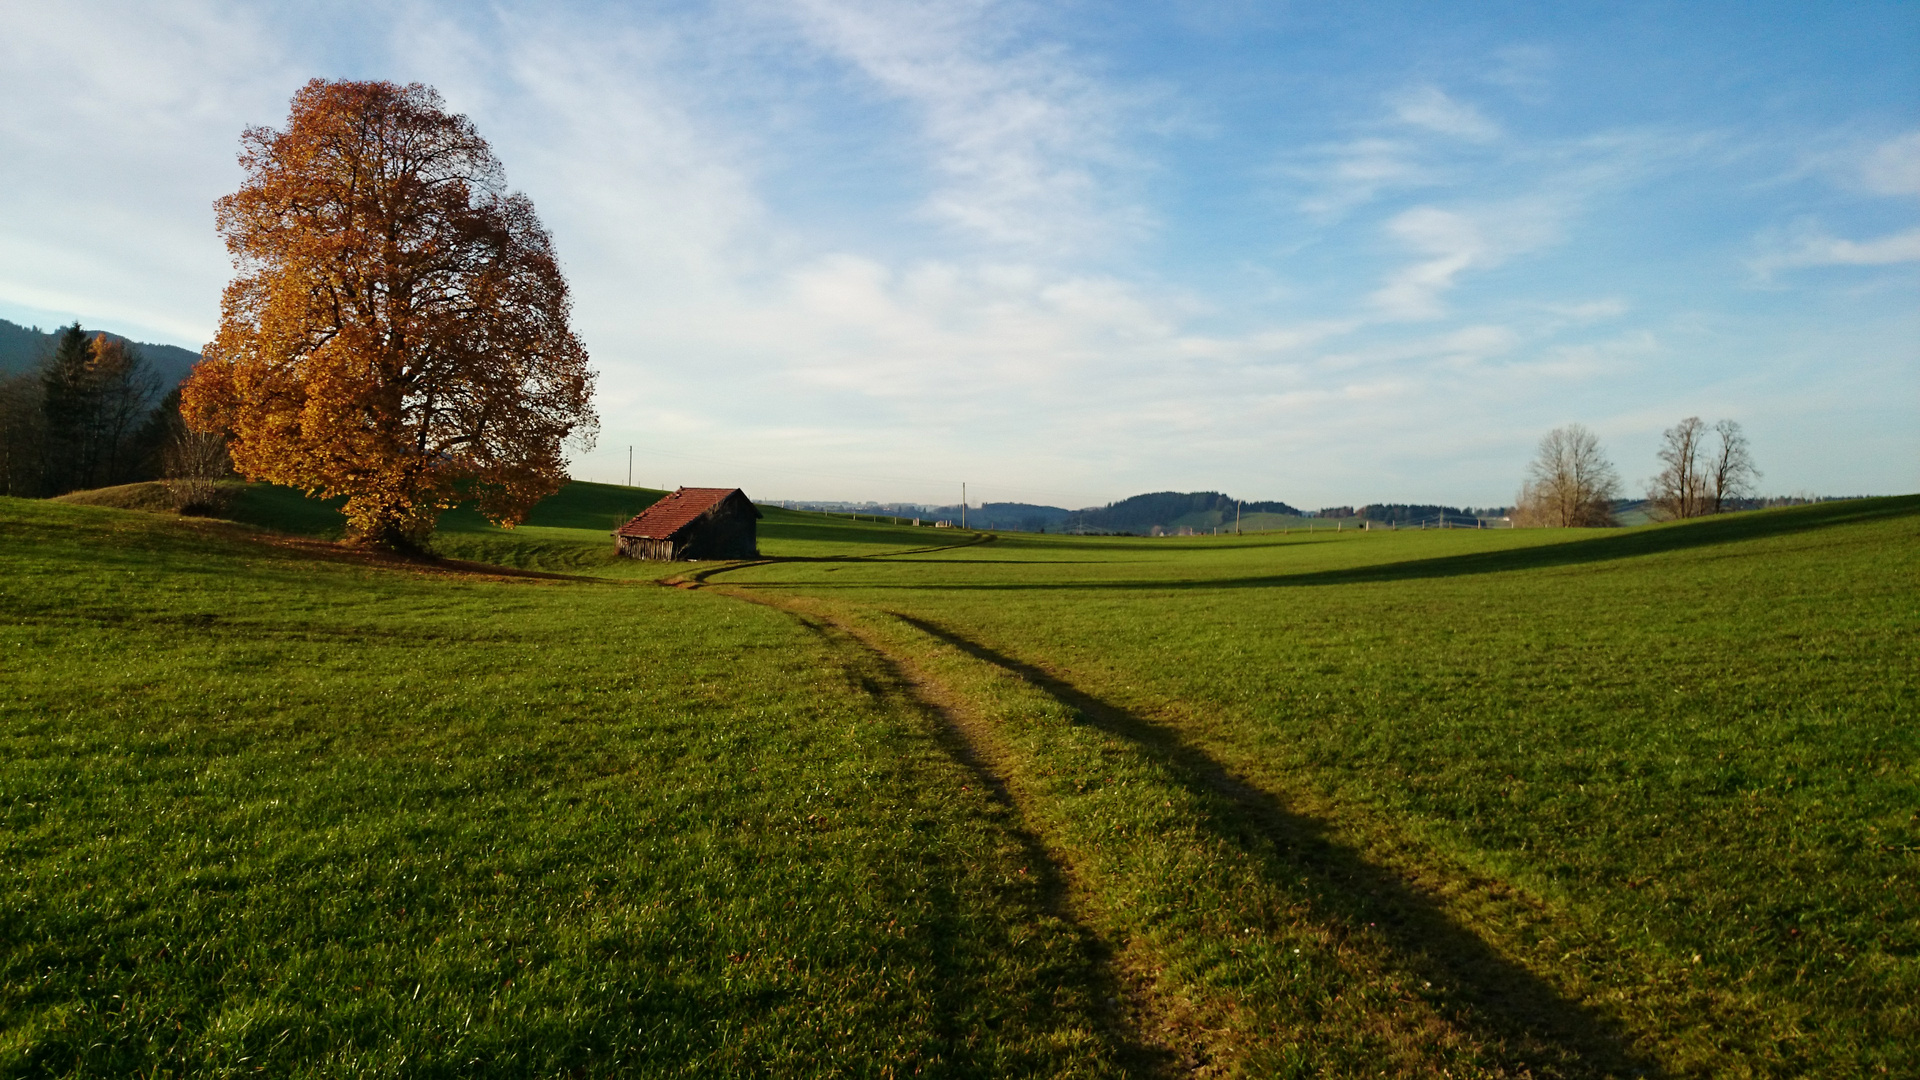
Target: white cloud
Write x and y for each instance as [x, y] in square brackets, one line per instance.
[120, 129]
[1891, 168]
[1588, 312]
[1013, 333]
[1025, 141]
[1521, 69]
[1430, 108]
[1357, 172]
[1894, 166]
[1820, 250]
[1451, 243]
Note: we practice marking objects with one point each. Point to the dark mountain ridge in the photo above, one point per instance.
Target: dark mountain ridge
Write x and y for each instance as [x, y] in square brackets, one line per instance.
[22, 348]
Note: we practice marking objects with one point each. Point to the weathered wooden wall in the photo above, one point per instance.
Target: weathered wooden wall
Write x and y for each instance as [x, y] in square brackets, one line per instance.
[727, 531]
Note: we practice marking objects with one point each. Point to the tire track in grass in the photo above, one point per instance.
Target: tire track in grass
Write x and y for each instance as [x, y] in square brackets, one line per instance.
[1130, 1017]
[1206, 922]
[1513, 1021]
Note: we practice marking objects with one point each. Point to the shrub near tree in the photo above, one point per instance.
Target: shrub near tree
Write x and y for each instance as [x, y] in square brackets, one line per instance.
[1570, 484]
[397, 332]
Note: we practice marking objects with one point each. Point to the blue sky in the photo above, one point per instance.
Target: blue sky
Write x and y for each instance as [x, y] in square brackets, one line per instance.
[1067, 252]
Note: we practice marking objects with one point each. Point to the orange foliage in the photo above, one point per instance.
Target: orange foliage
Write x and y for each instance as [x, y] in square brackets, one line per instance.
[397, 331]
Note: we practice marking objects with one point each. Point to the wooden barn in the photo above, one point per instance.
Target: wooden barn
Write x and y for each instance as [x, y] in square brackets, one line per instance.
[690, 524]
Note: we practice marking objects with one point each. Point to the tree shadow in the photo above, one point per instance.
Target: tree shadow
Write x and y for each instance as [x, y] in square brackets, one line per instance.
[1681, 536]
[1708, 532]
[1522, 1017]
[1108, 1002]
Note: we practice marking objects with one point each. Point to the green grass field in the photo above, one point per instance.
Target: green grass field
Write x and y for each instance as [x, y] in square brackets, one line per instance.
[897, 800]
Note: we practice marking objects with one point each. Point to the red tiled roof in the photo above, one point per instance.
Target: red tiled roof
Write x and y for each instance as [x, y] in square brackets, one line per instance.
[676, 511]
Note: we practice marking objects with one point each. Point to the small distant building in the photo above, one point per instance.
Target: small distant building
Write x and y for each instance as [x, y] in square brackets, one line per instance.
[692, 524]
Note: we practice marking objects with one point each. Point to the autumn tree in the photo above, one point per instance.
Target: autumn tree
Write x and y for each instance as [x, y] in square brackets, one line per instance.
[1570, 483]
[397, 329]
[1703, 469]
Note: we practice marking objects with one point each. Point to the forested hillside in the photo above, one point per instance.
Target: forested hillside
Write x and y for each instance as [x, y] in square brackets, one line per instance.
[23, 348]
[85, 409]
[1141, 513]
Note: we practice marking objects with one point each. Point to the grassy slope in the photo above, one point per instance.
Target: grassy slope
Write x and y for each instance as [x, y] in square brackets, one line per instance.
[1663, 781]
[1505, 801]
[259, 811]
[569, 533]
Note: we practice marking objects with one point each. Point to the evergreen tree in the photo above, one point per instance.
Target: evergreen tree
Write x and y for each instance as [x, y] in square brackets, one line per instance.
[22, 436]
[68, 401]
[94, 394]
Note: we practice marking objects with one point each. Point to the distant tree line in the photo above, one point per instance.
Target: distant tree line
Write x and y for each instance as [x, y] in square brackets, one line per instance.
[93, 413]
[1399, 512]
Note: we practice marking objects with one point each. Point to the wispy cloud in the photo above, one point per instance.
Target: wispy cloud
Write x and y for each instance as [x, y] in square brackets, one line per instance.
[1352, 174]
[1893, 168]
[1025, 140]
[111, 158]
[1890, 168]
[1416, 143]
[1822, 250]
[1521, 69]
[972, 237]
[1431, 108]
[1451, 242]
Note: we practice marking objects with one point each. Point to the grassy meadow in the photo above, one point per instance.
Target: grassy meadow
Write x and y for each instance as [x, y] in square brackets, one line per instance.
[893, 800]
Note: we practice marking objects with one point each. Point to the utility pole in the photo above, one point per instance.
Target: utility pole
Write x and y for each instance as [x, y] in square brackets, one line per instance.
[629, 466]
[963, 504]
[1236, 517]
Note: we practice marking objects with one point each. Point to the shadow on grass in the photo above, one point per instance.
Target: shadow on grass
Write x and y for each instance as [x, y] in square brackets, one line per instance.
[697, 578]
[1523, 1018]
[1092, 970]
[1606, 547]
[1707, 532]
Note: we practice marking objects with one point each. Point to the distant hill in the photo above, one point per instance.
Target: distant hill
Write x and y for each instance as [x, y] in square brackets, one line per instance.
[1169, 509]
[23, 347]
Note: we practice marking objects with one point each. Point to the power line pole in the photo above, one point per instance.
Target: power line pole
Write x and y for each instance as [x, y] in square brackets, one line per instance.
[629, 466]
[1236, 517]
[963, 504]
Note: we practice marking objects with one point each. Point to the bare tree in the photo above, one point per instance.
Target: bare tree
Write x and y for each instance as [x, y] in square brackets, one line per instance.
[1680, 490]
[1704, 469]
[1730, 469]
[1570, 483]
[127, 387]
